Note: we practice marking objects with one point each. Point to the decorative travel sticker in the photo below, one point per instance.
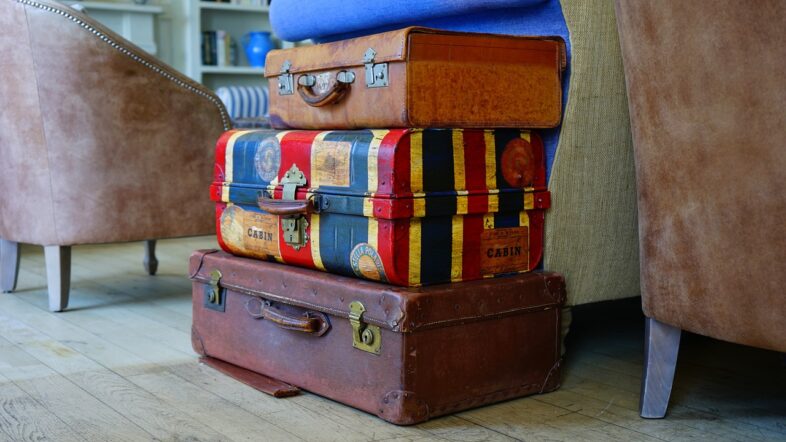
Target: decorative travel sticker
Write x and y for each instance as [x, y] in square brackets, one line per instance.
[330, 163]
[252, 233]
[504, 250]
[267, 159]
[518, 163]
[366, 262]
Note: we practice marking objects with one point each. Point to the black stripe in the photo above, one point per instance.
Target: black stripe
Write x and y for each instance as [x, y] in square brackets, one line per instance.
[435, 257]
[437, 160]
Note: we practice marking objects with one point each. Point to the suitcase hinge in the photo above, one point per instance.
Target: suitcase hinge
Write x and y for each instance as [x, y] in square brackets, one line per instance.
[214, 299]
[294, 227]
[376, 73]
[286, 84]
[365, 337]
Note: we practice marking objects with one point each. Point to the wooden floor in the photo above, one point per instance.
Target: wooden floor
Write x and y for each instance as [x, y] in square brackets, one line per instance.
[118, 365]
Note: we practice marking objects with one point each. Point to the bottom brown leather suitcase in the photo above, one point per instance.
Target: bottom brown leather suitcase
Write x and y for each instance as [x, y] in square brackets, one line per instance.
[404, 354]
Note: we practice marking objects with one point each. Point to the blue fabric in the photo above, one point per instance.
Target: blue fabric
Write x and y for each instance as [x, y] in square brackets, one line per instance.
[331, 20]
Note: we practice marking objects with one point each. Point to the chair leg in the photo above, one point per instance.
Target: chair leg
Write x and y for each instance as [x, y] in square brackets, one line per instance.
[661, 345]
[9, 265]
[58, 276]
[150, 262]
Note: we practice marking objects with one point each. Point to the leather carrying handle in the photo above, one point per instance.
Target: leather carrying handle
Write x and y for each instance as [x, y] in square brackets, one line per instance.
[285, 207]
[310, 322]
[334, 93]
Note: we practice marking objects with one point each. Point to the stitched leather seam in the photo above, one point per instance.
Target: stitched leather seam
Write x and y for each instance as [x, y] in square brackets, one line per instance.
[132, 55]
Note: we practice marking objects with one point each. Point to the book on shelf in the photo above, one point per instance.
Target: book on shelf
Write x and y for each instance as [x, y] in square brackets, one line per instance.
[219, 49]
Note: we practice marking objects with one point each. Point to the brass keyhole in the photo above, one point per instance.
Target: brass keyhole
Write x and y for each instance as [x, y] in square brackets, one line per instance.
[212, 297]
[367, 337]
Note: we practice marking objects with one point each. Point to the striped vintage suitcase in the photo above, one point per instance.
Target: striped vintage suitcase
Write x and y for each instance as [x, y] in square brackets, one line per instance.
[403, 206]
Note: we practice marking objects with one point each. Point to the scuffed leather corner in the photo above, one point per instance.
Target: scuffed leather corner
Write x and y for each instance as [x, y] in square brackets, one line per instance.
[403, 408]
[553, 378]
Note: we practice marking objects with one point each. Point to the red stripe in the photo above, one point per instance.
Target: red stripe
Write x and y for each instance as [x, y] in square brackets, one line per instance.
[221, 156]
[473, 228]
[536, 218]
[539, 155]
[296, 149]
[385, 248]
[397, 248]
[474, 159]
[388, 160]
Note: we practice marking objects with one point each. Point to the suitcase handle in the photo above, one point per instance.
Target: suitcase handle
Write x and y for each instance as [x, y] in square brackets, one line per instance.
[339, 86]
[285, 207]
[311, 322]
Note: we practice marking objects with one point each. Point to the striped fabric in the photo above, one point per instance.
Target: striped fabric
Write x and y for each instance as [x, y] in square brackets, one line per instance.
[244, 101]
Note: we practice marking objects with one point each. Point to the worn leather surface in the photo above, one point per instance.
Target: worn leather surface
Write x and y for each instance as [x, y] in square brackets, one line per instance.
[705, 85]
[96, 146]
[436, 79]
[507, 327]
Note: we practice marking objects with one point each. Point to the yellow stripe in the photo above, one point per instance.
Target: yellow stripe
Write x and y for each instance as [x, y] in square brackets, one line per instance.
[529, 199]
[373, 155]
[457, 248]
[523, 219]
[488, 221]
[419, 206]
[368, 207]
[416, 161]
[461, 202]
[459, 174]
[524, 222]
[373, 233]
[493, 205]
[225, 192]
[525, 135]
[314, 238]
[491, 159]
[315, 168]
[414, 251]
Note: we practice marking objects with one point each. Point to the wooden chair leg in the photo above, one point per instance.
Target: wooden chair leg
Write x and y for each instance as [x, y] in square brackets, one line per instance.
[150, 262]
[661, 345]
[9, 265]
[58, 276]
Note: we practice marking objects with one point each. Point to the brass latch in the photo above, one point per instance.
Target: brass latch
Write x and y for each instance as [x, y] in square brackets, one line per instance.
[213, 296]
[294, 227]
[365, 337]
[285, 84]
[376, 73]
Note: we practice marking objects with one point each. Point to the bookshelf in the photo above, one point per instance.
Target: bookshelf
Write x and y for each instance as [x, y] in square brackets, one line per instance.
[237, 20]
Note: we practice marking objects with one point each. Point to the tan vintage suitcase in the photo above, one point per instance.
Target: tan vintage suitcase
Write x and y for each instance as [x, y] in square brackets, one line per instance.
[418, 77]
[403, 354]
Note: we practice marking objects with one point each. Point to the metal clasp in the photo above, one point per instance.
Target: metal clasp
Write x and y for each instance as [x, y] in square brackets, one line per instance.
[365, 337]
[214, 299]
[294, 228]
[286, 84]
[376, 73]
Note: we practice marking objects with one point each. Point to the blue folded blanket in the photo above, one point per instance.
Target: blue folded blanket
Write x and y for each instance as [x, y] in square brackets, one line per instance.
[330, 20]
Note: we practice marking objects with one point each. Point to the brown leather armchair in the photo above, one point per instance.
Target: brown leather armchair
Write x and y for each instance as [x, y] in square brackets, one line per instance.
[708, 114]
[99, 142]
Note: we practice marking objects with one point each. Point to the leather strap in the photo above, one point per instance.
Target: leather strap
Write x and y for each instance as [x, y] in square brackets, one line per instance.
[285, 207]
[333, 94]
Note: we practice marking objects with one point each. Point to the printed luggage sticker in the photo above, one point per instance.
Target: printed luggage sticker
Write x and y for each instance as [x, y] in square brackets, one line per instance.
[252, 233]
[330, 163]
[366, 263]
[504, 250]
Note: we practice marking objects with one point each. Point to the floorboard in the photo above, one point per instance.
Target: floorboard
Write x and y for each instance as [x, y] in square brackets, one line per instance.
[118, 366]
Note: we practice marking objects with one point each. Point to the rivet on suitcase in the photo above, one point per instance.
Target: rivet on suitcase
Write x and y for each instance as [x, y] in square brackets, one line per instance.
[403, 354]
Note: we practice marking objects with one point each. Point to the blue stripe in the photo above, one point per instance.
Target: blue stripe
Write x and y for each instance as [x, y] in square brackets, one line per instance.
[435, 242]
[338, 235]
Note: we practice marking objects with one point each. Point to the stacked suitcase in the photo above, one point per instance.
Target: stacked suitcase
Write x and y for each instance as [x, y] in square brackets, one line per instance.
[388, 170]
